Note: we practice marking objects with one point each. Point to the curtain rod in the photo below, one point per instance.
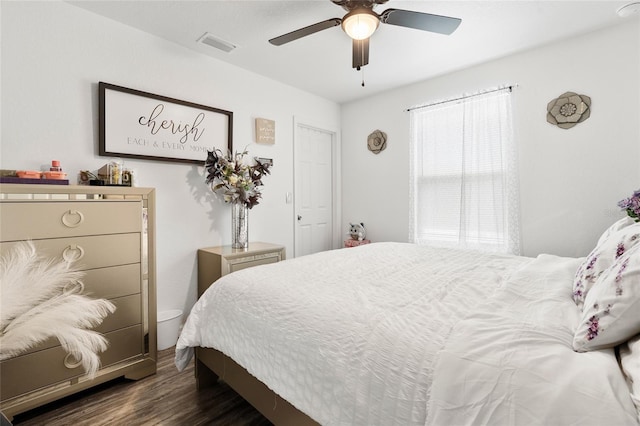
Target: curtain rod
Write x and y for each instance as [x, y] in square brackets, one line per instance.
[463, 97]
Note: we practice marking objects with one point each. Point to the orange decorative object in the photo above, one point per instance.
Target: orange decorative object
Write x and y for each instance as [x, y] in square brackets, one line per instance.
[55, 175]
[29, 174]
[355, 243]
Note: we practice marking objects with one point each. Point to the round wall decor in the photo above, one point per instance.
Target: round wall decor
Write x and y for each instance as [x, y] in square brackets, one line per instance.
[377, 141]
[568, 109]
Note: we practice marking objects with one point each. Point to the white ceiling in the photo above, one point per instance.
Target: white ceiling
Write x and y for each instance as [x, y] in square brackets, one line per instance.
[321, 63]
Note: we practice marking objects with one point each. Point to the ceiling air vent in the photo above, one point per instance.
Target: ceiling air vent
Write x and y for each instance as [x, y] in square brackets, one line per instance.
[211, 40]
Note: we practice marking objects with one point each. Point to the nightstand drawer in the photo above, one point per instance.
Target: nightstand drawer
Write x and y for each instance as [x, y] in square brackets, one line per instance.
[239, 264]
[55, 219]
[90, 252]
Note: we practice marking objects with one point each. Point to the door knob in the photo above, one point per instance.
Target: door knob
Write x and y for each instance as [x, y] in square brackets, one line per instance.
[299, 217]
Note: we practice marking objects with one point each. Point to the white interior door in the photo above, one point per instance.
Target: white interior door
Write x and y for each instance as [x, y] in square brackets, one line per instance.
[315, 187]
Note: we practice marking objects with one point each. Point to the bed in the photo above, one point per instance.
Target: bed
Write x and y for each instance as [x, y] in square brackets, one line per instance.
[401, 334]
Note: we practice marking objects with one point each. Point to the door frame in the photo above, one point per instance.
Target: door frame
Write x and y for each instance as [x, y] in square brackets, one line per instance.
[336, 175]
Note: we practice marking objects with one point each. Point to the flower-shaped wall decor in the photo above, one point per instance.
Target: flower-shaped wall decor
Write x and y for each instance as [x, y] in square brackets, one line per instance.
[568, 109]
[377, 141]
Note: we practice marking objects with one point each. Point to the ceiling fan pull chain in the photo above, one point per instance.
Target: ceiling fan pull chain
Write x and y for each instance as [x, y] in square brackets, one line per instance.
[362, 71]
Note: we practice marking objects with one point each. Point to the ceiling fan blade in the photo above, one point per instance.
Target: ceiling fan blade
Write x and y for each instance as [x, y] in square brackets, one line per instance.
[420, 21]
[302, 32]
[360, 53]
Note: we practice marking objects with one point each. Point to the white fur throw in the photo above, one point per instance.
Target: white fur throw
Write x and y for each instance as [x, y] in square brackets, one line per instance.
[39, 299]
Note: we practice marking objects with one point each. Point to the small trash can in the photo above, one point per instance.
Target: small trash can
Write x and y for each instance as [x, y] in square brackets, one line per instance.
[168, 328]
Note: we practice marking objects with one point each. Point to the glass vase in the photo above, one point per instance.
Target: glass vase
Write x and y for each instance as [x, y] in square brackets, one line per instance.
[239, 226]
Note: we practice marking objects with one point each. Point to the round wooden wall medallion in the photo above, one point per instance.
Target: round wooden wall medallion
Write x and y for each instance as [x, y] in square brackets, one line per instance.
[568, 109]
[377, 141]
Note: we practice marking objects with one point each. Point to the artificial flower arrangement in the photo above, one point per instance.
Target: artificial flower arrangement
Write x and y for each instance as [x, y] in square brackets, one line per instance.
[237, 181]
[632, 205]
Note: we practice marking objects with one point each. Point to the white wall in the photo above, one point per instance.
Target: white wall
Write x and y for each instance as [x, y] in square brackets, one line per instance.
[570, 180]
[53, 56]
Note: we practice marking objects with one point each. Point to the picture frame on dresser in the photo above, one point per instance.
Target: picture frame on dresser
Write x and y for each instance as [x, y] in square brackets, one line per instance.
[112, 232]
[137, 124]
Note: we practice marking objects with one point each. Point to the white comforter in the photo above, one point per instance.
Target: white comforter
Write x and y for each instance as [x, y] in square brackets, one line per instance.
[511, 361]
[347, 336]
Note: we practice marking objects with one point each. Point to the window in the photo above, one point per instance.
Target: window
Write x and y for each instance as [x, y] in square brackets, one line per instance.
[463, 175]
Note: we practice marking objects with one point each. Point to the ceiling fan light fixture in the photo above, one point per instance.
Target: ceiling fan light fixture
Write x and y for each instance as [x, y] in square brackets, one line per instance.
[360, 24]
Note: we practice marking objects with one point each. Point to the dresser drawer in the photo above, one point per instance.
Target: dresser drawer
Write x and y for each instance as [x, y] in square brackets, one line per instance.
[128, 312]
[36, 370]
[112, 282]
[90, 252]
[54, 219]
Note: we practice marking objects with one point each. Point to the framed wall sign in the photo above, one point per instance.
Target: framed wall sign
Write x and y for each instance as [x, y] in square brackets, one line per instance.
[135, 124]
[265, 131]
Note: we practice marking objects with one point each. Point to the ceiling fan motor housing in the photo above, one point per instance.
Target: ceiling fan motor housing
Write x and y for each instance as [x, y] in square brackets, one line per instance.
[349, 5]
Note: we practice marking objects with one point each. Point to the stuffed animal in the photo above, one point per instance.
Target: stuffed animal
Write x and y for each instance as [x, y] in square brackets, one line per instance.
[357, 231]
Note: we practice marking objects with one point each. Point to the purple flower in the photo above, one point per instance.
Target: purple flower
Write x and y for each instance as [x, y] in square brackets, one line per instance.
[632, 205]
[593, 327]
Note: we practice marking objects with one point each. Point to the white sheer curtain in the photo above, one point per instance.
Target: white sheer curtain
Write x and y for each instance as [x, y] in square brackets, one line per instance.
[463, 174]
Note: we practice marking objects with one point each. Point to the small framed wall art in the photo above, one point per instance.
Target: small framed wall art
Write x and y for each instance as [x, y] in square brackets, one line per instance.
[265, 131]
[135, 124]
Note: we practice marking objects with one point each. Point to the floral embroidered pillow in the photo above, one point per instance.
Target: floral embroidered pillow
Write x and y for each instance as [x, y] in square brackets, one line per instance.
[618, 225]
[614, 242]
[611, 313]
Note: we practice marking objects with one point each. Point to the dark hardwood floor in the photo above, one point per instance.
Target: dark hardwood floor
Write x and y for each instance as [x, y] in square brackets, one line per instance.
[167, 398]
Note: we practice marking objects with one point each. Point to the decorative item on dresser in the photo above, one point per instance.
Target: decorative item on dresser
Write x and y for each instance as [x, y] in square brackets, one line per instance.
[215, 262]
[109, 231]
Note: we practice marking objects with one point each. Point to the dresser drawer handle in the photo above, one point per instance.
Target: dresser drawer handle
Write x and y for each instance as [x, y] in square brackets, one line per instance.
[72, 253]
[70, 362]
[72, 218]
[74, 287]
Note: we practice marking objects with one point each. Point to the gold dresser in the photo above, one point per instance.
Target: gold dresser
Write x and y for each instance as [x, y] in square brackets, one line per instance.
[110, 232]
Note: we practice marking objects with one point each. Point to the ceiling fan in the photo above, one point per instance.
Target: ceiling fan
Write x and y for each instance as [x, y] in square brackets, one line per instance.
[361, 21]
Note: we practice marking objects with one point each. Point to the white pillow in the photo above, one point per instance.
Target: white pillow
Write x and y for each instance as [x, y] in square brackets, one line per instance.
[617, 225]
[630, 360]
[611, 312]
[617, 239]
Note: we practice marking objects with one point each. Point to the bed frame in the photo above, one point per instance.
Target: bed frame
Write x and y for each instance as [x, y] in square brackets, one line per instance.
[212, 365]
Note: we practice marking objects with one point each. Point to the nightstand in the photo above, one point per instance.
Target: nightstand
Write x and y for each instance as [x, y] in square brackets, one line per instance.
[214, 262]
